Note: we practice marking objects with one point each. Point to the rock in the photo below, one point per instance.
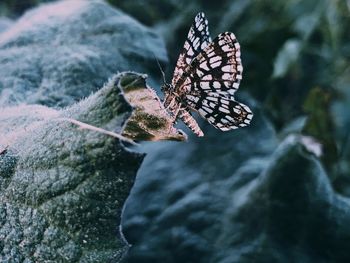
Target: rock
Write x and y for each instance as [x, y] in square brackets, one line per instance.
[59, 53]
[63, 185]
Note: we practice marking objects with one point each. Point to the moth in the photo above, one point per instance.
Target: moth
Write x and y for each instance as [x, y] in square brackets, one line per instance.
[206, 76]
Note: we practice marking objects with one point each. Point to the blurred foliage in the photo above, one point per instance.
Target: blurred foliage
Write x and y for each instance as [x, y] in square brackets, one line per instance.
[15, 8]
[320, 123]
[295, 53]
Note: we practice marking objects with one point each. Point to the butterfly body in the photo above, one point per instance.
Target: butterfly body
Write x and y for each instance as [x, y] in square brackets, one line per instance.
[206, 76]
[177, 106]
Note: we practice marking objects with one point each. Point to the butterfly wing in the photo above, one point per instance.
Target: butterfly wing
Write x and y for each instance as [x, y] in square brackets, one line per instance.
[222, 112]
[197, 39]
[211, 80]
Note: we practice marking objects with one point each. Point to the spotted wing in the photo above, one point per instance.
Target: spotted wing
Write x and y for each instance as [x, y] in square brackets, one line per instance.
[197, 39]
[222, 112]
[211, 80]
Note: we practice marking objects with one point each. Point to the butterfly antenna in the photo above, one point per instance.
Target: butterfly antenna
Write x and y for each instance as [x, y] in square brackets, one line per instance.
[161, 70]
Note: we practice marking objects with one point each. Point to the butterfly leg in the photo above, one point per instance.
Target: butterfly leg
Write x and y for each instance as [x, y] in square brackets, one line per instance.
[191, 123]
[173, 107]
[179, 111]
[175, 113]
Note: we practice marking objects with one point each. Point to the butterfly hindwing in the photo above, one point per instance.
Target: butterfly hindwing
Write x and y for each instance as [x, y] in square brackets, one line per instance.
[198, 38]
[220, 111]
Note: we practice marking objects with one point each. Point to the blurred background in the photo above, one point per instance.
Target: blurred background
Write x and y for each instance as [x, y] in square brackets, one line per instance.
[296, 78]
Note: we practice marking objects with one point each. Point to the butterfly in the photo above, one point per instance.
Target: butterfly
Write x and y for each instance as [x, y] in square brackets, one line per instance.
[206, 76]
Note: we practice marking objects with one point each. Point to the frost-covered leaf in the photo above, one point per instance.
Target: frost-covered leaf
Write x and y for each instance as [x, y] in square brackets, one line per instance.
[149, 121]
[60, 52]
[63, 186]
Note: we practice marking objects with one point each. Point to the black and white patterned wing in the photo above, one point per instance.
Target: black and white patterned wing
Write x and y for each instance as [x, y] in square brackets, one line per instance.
[219, 67]
[222, 112]
[197, 39]
[211, 80]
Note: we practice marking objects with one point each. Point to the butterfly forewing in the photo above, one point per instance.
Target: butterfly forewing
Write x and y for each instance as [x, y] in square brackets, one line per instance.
[218, 68]
[198, 38]
[223, 112]
[212, 78]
